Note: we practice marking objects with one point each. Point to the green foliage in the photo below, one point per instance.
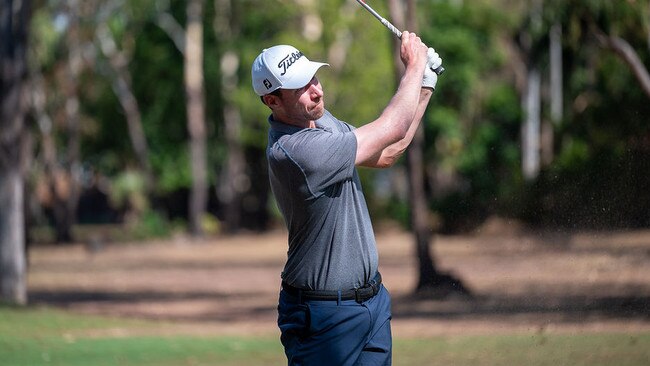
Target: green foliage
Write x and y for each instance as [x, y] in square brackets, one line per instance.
[128, 192]
[472, 126]
[157, 70]
[150, 224]
[44, 36]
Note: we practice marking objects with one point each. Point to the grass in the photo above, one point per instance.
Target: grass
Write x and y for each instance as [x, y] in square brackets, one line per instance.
[52, 337]
[530, 350]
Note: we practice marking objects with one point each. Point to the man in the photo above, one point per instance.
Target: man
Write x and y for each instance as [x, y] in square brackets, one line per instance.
[333, 309]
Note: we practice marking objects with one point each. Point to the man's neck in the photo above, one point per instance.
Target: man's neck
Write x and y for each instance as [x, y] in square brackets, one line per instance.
[288, 121]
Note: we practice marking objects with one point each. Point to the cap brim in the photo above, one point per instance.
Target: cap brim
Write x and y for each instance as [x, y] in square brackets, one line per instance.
[304, 76]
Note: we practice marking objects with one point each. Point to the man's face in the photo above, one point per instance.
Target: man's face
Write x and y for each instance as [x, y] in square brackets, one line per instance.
[298, 106]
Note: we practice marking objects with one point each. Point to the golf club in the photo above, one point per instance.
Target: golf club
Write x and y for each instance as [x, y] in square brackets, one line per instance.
[392, 28]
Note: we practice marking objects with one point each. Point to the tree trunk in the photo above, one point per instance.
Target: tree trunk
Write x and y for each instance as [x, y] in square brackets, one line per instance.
[556, 94]
[417, 197]
[531, 100]
[234, 180]
[557, 90]
[55, 177]
[530, 132]
[14, 25]
[430, 280]
[12, 237]
[427, 272]
[196, 115]
[64, 182]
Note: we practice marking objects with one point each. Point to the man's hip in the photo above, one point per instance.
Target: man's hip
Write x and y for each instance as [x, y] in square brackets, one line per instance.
[337, 331]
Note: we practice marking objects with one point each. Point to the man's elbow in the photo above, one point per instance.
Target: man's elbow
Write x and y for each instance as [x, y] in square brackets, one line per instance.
[385, 163]
[390, 157]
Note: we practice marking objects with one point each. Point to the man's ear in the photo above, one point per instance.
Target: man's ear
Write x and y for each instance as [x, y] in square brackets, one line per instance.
[271, 100]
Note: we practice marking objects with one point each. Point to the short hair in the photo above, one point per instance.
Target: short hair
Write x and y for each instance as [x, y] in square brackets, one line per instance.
[276, 92]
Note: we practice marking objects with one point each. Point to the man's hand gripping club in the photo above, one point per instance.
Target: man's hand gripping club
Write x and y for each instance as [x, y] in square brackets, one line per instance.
[434, 61]
[393, 128]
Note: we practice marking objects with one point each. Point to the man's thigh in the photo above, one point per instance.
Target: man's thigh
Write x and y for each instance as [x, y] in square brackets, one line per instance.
[378, 349]
[323, 332]
[331, 333]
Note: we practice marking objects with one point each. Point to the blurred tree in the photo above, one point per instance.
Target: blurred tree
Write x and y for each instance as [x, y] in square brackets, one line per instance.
[430, 280]
[189, 42]
[15, 17]
[60, 28]
[120, 76]
[65, 175]
[627, 54]
[601, 139]
[472, 136]
[531, 96]
[234, 180]
[556, 91]
[472, 153]
[196, 115]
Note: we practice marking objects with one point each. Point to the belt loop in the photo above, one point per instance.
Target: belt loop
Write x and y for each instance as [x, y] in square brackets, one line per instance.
[338, 300]
[299, 296]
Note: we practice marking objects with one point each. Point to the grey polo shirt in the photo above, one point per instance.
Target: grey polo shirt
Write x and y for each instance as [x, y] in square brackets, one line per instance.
[315, 182]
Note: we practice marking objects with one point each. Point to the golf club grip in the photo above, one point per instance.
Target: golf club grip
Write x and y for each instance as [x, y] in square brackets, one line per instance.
[439, 70]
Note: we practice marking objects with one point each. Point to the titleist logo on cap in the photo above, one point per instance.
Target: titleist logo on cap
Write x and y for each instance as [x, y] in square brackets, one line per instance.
[289, 60]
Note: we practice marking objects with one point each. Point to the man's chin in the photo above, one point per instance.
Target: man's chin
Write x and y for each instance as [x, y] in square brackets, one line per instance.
[317, 112]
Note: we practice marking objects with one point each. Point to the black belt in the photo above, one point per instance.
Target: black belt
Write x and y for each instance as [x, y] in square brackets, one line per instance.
[360, 294]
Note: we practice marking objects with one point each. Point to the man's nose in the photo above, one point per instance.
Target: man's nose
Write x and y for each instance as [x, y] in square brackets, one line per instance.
[315, 89]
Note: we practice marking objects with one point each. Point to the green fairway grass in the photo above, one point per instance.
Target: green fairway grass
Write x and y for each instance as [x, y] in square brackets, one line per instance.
[32, 337]
[526, 350]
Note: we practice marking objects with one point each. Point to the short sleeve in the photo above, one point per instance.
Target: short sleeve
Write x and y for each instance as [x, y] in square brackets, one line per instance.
[324, 157]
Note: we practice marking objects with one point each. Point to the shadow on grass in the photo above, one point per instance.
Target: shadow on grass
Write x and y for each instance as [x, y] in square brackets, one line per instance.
[560, 308]
[222, 307]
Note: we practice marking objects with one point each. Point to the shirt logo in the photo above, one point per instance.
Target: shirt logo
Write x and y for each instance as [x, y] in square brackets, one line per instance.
[289, 60]
[267, 83]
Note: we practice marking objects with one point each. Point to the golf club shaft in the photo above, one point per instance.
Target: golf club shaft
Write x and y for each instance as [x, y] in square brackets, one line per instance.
[392, 28]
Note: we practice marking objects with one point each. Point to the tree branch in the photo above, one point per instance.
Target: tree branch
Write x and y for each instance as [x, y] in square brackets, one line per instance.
[167, 23]
[625, 51]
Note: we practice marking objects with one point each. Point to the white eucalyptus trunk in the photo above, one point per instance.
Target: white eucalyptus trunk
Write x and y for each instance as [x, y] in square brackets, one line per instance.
[13, 287]
[14, 25]
[531, 129]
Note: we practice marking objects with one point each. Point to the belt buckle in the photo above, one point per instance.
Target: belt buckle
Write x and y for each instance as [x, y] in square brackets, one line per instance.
[363, 293]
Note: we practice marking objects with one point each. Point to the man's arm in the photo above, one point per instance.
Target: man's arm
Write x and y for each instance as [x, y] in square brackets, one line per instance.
[388, 156]
[395, 122]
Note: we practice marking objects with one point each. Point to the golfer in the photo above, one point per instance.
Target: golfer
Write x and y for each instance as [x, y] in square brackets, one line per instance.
[333, 308]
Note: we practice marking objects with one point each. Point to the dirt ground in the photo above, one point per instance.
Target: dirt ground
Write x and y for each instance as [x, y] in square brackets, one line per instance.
[520, 282]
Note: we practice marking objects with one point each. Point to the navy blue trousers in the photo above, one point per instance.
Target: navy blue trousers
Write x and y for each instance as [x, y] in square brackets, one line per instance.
[336, 333]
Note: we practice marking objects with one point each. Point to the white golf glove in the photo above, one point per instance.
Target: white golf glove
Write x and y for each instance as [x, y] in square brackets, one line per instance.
[434, 61]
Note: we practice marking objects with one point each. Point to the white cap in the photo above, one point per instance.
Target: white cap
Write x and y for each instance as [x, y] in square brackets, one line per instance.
[282, 67]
